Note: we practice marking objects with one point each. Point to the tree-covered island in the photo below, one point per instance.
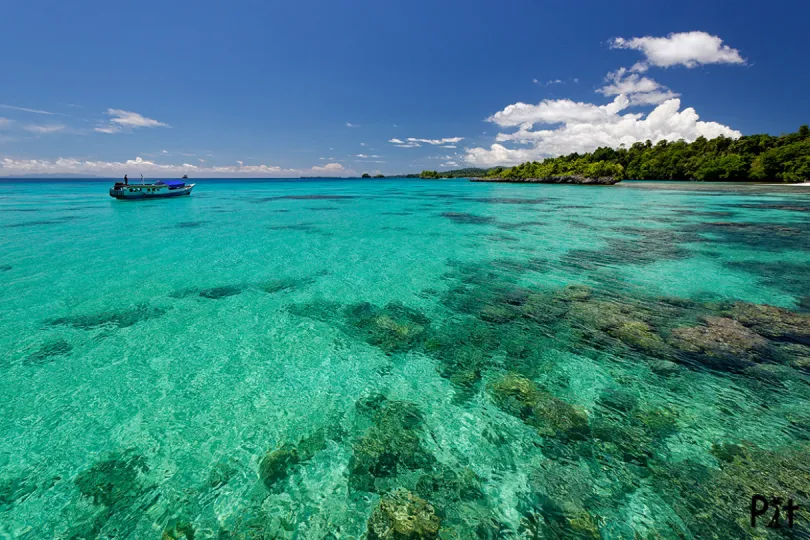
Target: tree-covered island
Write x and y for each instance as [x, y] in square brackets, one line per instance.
[754, 158]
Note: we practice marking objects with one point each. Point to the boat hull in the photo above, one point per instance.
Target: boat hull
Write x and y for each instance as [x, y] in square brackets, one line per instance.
[136, 192]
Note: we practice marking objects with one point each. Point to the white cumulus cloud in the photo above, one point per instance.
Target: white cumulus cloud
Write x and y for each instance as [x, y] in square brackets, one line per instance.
[585, 126]
[640, 90]
[413, 142]
[688, 49]
[555, 111]
[329, 167]
[121, 119]
[436, 142]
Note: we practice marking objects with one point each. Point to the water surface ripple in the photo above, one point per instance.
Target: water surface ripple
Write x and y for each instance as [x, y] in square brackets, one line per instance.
[402, 359]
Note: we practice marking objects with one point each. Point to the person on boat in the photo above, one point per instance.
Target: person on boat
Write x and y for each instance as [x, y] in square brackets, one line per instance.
[126, 180]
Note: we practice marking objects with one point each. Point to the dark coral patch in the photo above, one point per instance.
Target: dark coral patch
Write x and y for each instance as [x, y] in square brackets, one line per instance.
[464, 218]
[403, 515]
[115, 483]
[719, 343]
[793, 278]
[549, 415]
[393, 328]
[521, 225]
[706, 497]
[216, 293]
[773, 237]
[15, 490]
[279, 462]
[190, 224]
[773, 322]
[646, 246]
[303, 227]
[508, 200]
[392, 445]
[49, 351]
[284, 284]
[464, 351]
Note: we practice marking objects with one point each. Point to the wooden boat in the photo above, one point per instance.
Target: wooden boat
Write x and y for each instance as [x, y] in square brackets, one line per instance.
[160, 189]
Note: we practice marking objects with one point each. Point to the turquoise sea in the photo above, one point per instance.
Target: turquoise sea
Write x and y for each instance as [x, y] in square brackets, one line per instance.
[403, 359]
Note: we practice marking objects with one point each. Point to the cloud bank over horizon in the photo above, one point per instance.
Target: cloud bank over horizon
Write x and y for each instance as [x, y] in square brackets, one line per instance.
[151, 169]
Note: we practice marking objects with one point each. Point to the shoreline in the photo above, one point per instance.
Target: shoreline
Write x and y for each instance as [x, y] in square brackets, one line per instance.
[563, 179]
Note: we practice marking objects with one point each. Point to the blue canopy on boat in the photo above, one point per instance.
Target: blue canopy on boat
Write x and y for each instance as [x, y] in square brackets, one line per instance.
[172, 183]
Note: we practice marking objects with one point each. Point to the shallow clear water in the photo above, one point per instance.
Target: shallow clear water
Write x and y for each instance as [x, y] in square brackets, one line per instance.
[268, 359]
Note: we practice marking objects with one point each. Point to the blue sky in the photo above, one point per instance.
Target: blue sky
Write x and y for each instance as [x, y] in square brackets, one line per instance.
[310, 87]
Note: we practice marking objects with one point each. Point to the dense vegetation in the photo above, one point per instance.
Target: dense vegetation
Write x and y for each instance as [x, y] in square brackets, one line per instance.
[763, 158]
[561, 166]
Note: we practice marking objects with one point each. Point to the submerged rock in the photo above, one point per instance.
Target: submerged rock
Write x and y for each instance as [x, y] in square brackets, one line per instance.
[282, 284]
[627, 322]
[449, 486]
[401, 515]
[771, 374]
[721, 343]
[277, 464]
[618, 399]
[216, 293]
[549, 415]
[707, 499]
[178, 530]
[575, 293]
[553, 520]
[121, 319]
[14, 490]
[773, 322]
[464, 350]
[465, 218]
[794, 355]
[114, 483]
[49, 351]
[393, 328]
[640, 336]
[391, 445]
[633, 437]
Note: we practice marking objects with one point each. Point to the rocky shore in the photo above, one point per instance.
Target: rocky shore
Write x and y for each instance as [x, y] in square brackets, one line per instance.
[566, 179]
